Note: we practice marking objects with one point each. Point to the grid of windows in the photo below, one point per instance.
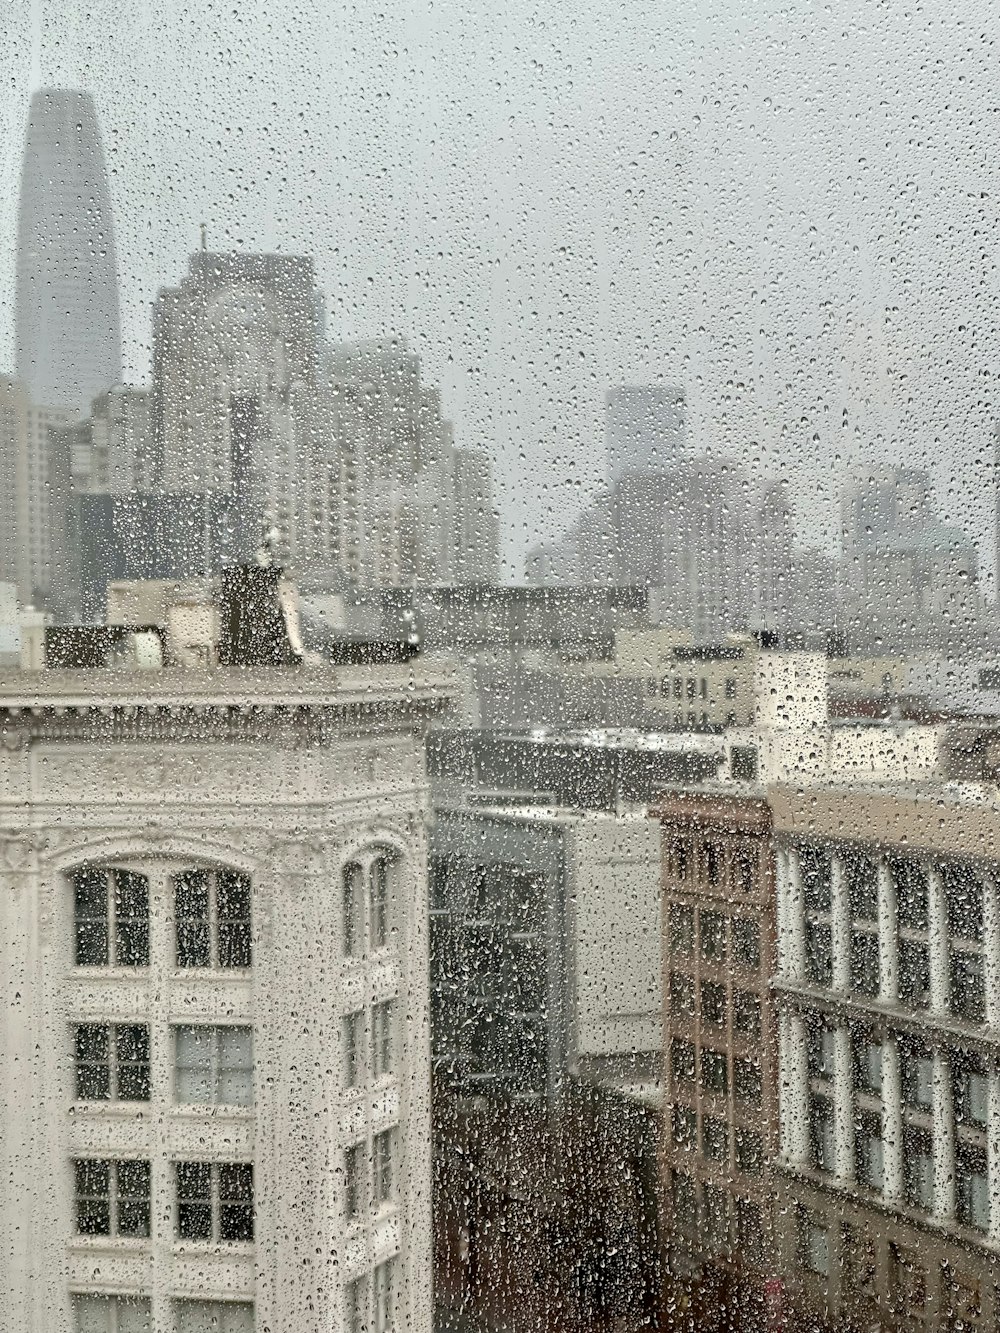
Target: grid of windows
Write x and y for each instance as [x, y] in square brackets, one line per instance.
[112, 1062]
[214, 1201]
[112, 1197]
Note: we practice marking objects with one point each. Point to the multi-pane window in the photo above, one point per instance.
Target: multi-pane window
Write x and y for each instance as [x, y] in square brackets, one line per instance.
[712, 928]
[747, 1081]
[918, 1167]
[366, 888]
[354, 910]
[715, 1072]
[715, 1139]
[112, 1197]
[112, 1062]
[354, 1180]
[746, 1014]
[354, 1048]
[918, 1078]
[214, 1065]
[914, 973]
[821, 1050]
[111, 918]
[713, 862]
[713, 1004]
[964, 898]
[912, 912]
[972, 1194]
[861, 875]
[681, 928]
[685, 1126]
[746, 943]
[971, 1088]
[681, 993]
[749, 1151]
[212, 919]
[382, 1167]
[743, 873]
[870, 1151]
[821, 1132]
[112, 1314]
[383, 1296]
[382, 1039]
[378, 913]
[215, 1201]
[968, 985]
[682, 1060]
[213, 1317]
[814, 870]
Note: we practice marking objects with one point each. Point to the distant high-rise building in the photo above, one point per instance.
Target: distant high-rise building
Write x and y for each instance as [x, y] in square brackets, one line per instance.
[908, 579]
[67, 319]
[644, 429]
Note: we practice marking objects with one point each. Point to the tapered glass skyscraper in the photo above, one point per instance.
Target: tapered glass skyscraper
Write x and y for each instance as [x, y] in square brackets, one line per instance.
[67, 318]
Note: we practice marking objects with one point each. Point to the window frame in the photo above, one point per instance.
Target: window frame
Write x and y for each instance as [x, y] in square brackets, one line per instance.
[216, 1202]
[113, 922]
[113, 1062]
[216, 1068]
[214, 920]
[115, 1198]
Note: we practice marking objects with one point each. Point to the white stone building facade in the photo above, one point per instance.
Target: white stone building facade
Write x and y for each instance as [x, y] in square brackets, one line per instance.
[214, 1023]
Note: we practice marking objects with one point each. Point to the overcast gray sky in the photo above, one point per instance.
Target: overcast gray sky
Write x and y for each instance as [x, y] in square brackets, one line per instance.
[791, 210]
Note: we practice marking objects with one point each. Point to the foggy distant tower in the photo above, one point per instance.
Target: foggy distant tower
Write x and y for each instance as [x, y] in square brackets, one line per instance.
[67, 318]
[644, 430]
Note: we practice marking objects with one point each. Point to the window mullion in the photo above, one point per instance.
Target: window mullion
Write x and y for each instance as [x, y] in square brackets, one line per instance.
[216, 1202]
[113, 1199]
[112, 918]
[213, 921]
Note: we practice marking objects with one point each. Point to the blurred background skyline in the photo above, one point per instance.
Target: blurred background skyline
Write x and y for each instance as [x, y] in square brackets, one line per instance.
[788, 214]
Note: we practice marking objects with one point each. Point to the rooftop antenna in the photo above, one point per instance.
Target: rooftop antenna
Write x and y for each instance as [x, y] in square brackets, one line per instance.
[203, 228]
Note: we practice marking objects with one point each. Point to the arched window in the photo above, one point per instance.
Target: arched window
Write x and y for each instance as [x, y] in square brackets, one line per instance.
[369, 896]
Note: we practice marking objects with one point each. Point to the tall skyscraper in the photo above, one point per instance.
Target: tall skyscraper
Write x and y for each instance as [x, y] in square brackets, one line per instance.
[67, 318]
[645, 429]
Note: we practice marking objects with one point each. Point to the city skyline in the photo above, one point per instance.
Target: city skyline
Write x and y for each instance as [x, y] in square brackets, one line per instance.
[758, 272]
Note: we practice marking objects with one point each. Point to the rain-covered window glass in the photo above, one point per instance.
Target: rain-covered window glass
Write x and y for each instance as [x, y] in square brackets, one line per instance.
[499, 667]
